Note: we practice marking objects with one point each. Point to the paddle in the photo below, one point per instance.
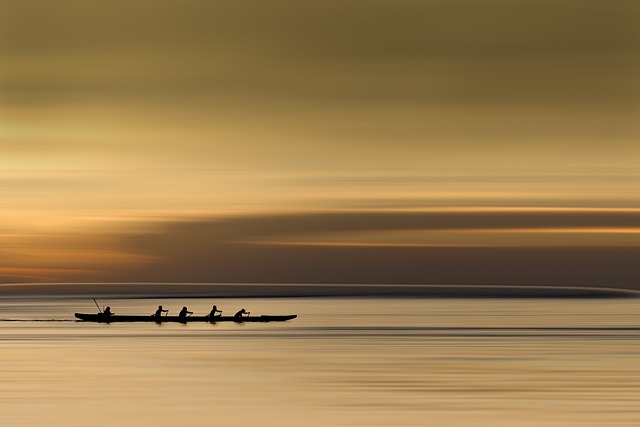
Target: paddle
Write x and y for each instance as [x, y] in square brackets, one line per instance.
[94, 300]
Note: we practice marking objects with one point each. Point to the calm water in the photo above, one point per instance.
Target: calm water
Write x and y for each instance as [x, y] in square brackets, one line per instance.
[343, 362]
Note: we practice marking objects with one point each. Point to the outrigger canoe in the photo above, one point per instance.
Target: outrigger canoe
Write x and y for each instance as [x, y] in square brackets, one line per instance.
[116, 318]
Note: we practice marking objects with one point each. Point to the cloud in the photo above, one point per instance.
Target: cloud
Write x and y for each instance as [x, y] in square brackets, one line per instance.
[336, 248]
[221, 251]
[430, 53]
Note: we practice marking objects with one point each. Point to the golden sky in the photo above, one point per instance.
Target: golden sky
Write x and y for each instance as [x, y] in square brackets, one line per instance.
[440, 141]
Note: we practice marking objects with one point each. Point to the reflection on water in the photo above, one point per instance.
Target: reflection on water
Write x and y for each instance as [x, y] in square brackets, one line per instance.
[342, 362]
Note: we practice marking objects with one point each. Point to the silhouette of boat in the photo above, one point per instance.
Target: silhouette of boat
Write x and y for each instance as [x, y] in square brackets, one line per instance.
[202, 319]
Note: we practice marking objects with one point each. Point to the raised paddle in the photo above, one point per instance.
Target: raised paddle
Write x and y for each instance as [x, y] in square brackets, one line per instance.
[94, 300]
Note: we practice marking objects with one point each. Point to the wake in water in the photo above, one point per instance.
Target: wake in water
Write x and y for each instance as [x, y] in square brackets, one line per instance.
[38, 320]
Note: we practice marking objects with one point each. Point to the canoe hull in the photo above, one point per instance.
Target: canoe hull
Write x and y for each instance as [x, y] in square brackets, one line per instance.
[201, 319]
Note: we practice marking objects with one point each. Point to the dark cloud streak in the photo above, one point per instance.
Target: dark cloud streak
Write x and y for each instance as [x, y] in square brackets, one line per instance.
[210, 252]
[232, 229]
[432, 53]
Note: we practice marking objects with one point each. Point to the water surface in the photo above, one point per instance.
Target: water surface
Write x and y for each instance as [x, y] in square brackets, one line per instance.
[342, 362]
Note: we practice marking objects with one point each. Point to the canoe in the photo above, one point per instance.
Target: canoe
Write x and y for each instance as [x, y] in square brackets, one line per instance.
[202, 319]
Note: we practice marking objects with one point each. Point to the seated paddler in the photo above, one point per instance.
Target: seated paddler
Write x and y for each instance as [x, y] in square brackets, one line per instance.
[241, 312]
[184, 312]
[213, 312]
[159, 312]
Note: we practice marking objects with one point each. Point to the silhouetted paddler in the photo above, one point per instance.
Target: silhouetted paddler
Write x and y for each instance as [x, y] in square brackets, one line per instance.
[215, 310]
[241, 312]
[184, 312]
[159, 312]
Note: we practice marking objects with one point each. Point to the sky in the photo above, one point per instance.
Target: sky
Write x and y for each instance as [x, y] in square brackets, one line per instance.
[435, 141]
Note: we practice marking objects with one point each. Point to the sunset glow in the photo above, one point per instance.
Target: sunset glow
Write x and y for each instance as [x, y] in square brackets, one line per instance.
[110, 138]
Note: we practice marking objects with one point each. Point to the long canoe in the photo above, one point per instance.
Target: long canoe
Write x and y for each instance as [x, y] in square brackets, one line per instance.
[116, 318]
